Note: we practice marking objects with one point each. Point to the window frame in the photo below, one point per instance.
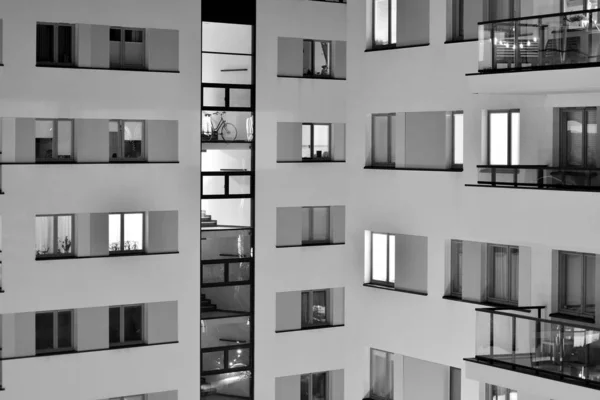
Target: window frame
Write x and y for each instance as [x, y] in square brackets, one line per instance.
[456, 247]
[387, 282]
[389, 43]
[311, 240]
[390, 117]
[562, 288]
[122, 42]
[490, 276]
[454, 164]
[563, 139]
[55, 348]
[54, 158]
[310, 377]
[122, 342]
[122, 235]
[310, 308]
[313, 52]
[492, 390]
[389, 375]
[457, 31]
[312, 141]
[121, 138]
[509, 134]
[55, 62]
[55, 237]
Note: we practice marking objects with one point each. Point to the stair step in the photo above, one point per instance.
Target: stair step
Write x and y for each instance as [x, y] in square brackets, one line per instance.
[205, 302]
[212, 307]
[209, 223]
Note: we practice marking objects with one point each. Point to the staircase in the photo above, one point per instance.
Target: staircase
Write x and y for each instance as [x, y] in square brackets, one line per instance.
[206, 304]
[206, 220]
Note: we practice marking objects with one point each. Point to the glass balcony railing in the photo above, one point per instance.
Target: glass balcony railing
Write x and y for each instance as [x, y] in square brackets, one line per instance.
[546, 41]
[232, 385]
[521, 340]
[225, 332]
[539, 177]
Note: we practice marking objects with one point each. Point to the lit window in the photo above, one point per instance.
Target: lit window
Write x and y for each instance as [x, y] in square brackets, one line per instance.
[125, 325]
[314, 308]
[53, 331]
[127, 140]
[384, 22]
[383, 259]
[503, 274]
[503, 137]
[53, 235]
[457, 139]
[53, 140]
[316, 140]
[317, 58]
[315, 225]
[126, 232]
[382, 375]
[314, 386]
[577, 277]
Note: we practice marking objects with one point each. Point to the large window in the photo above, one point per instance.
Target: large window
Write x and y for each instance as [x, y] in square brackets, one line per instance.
[457, 139]
[577, 277]
[314, 308]
[315, 225]
[316, 141]
[126, 232]
[127, 48]
[125, 325]
[579, 138]
[317, 58]
[382, 375]
[53, 140]
[503, 274]
[53, 235]
[494, 392]
[53, 331]
[314, 386]
[384, 23]
[504, 137]
[127, 140]
[456, 261]
[382, 128]
[55, 44]
[383, 259]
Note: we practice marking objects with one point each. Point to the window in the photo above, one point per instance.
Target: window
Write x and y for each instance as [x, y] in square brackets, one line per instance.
[127, 140]
[133, 397]
[499, 393]
[314, 308]
[455, 384]
[382, 128]
[126, 232]
[125, 325]
[502, 9]
[53, 235]
[504, 137]
[384, 23]
[314, 386]
[383, 259]
[53, 140]
[456, 260]
[55, 44]
[316, 141]
[457, 139]
[503, 274]
[53, 331]
[458, 20]
[579, 138]
[315, 225]
[317, 58]
[382, 375]
[127, 48]
[577, 272]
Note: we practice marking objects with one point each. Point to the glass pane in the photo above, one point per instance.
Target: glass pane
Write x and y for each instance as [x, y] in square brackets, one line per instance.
[319, 386]
[114, 232]
[321, 144]
[114, 325]
[456, 266]
[458, 127]
[44, 331]
[305, 387]
[308, 58]
[225, 332]
[514, 274]
[306, 234]
[392, 258]
[133, 136]
[592, 140]
[590, 285]
[65, 234]
[221, 386]
[239, 272]
[134, 232]
[322, 58]
[504, 40]
[574, 133]
[45, 43]
[379, 257]
[393, 21]
[306, 141]
[133, 36]
[65, 44]
[213, 273]
[380, 382]
[44, 136]
[381, 21]
[133, 323]
[239, 358]
[44, 236]
[65, 330]
[500, 284]
[498, 138]
[213, 361]
[115, 34]
[65, 140]
[320, 224]
[306, 315]
[573, 276]
[319, 308]
[515, 132]
[381, 139]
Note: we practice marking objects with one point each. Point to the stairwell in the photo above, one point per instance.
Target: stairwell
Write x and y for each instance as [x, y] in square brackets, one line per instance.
[206, 220]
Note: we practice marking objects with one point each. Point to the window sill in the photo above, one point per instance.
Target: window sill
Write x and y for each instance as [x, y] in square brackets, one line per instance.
[87, 162]
[54, 257]
[311, 161]
[453, 41]
[395, 47]
[413, 168]
[115, 255]
[309, 245]
[481, 303]
[329, 78]
[70, 352]
[585, 320]
[393, 289]
[103, 69]
[326, 1]
[312, 328]
[554, 189]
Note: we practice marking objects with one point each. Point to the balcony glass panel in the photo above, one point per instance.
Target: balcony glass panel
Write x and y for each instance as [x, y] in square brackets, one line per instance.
[226, 245]
[220, 387]
[225, 332]
[238, 358]
[230, 126]
[213, 361]
[225, 214]
[225, 273]
[226, 301]
[540, 177]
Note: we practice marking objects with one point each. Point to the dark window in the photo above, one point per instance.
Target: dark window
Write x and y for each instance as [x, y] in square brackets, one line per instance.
[115, 35]
[579, 138]
[314, 308]
[456, 260]
[458, 20]
[125, 325]
[127, 48]
[53, 331]
[54, 44]
[314, 386]
[503, 274]
[455, 384]
[577, 277]
[316, 141]
[127, 140]
[134, 36]
[45, 43]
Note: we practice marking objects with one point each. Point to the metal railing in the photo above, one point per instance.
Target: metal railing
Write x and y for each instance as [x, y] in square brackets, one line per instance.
[539, 177]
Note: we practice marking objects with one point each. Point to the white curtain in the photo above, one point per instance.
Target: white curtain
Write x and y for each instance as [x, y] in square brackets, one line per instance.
[65, 234]
[44, 232]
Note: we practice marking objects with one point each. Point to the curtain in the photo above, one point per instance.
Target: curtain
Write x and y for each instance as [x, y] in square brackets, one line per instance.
[65, 234]
[44, 235]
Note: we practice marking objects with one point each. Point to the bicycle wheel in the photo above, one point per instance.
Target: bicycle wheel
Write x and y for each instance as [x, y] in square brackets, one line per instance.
[229, 132]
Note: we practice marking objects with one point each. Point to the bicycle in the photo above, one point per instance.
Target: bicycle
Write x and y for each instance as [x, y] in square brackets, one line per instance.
[226, 130]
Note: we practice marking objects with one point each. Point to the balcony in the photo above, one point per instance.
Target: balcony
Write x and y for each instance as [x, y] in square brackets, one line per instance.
[520, 340]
